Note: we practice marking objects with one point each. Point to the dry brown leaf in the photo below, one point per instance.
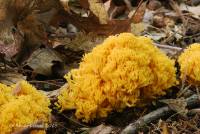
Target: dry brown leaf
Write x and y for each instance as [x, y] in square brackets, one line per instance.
[41, 61]
[65, 4]
[195, 10]
[138, 28]
[82, 41]
[91, 24]
[10, 43]
[84, 4]
[102, 129]
[34, 35]
[19, 14]
[2, 14]
[114, 10]
[9, 78]
[139, 13]
[98, 9]
[3, 9]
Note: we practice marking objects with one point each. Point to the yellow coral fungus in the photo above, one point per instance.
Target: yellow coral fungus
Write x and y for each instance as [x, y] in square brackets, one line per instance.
[115, 75]
[24, 107]
[38, 132]
[5, 94]
[189, 62]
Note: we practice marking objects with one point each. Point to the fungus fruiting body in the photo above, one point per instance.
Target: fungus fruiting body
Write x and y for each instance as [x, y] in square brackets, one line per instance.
[117, 74]
[21, 105]
[189, 62]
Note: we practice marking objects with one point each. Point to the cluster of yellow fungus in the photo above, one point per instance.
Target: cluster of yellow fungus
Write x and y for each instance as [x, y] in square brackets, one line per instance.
[189, 62]
[117, 74]
[22, 105]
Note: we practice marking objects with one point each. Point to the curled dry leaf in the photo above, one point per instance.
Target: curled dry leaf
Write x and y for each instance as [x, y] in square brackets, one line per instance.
[98, 9]
[195, 10]
[96, 20]
[10, 42]
[101, 129]
[41, 61]
[91, 24]
[81, 42]
[18, 14]
[154, 4]
[139, 13]
[65, 4]
[138, 28]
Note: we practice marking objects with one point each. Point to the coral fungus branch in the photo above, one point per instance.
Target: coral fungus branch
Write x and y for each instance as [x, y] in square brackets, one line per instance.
[118, 73]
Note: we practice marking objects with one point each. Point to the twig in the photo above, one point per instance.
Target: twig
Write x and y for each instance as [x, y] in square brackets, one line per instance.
[170, 50]
[156, 115]
[44, 82]
[28, 129]
[168, 47]
[195, 111]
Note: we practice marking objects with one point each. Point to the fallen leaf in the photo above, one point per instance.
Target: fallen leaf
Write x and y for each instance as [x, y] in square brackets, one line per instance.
[91, 24]
[9, 78]
[195, 10]
[33, 29]
[101, 129]
[2, 14]
[115, 11]
[98, 9]
[193, 2]
[10, 43]
[148, 16]
[41, 61]
[81, 42]
[65, 4]
[138, 28]
[154, 4]
[139, 13]
[84, 4]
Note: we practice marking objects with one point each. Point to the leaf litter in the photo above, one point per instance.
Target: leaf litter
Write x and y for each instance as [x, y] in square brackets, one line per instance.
[47, 39]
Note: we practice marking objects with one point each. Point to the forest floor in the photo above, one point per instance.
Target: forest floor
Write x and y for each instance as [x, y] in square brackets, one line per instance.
[44, 46]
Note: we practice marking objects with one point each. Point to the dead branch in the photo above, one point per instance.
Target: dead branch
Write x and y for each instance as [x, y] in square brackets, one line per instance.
[178, 49]
[170, 50]
[132, 128]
